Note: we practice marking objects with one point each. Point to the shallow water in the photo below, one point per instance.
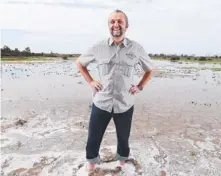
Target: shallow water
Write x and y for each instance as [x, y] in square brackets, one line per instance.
[176, 125]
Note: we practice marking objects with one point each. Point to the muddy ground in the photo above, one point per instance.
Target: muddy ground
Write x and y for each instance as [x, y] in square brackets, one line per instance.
[45, 108]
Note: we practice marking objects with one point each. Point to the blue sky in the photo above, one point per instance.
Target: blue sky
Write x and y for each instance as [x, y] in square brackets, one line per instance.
[71, 26]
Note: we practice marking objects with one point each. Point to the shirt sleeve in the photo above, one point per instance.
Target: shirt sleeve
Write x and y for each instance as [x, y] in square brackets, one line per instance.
[88, 57]
[144, 59]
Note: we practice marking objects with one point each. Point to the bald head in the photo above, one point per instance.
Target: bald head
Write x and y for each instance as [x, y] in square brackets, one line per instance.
[125, 16]
[118, 24]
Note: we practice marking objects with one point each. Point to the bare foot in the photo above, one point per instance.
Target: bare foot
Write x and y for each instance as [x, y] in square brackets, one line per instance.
[122, 163]
[90, 167]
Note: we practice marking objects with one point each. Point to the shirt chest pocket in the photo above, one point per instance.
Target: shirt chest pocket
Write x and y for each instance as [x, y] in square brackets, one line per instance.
[104, 66]
[127, 67]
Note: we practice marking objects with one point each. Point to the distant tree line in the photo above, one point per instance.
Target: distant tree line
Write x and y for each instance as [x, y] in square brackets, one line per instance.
[8, 52]
[175, 57]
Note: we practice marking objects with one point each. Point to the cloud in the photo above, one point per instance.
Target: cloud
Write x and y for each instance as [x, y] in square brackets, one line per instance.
[47, 42]
[70, 4]
[170, 26]
[34, 17]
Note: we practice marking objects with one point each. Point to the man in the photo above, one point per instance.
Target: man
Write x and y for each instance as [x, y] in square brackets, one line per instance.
[114, 96]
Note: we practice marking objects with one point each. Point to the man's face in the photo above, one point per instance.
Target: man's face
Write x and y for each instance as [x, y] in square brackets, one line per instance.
[117, 24]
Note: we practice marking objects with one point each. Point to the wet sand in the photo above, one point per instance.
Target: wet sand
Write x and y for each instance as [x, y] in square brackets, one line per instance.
[45, 108]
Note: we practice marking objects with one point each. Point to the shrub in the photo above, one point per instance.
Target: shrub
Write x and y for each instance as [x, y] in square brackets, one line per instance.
[202, 59]
[64, 57]
[175, 58]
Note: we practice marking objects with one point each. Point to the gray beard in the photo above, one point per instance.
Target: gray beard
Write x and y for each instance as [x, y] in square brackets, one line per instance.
[116, 35]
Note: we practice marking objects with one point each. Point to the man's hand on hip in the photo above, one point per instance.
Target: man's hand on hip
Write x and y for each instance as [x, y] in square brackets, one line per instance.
[134, 89]
[96, 85]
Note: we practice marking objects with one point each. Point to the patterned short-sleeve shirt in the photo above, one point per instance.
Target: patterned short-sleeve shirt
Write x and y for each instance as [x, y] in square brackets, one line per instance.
[116, 65]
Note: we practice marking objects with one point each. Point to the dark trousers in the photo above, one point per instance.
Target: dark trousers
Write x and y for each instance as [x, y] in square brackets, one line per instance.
[99, 121]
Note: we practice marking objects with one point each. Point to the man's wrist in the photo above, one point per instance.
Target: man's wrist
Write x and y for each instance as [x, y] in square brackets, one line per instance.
[140, 87]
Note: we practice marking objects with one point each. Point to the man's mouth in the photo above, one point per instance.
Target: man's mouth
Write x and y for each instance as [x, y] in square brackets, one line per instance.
[117, 30]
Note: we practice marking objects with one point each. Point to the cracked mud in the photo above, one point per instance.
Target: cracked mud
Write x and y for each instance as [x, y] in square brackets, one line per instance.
[176, 128]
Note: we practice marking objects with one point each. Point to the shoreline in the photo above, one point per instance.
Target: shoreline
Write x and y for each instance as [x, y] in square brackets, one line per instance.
[204, 65]
[31, 58]
[181, 59]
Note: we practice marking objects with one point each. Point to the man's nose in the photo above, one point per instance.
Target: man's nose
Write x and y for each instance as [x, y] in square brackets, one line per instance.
[116, 24]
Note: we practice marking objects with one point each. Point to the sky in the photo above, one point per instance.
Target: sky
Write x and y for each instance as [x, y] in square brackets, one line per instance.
[71, 26]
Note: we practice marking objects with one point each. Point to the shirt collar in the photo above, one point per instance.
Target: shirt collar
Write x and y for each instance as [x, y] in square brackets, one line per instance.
[111, 42]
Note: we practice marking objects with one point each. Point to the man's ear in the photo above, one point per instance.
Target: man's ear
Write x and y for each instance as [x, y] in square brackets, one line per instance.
[127, 26]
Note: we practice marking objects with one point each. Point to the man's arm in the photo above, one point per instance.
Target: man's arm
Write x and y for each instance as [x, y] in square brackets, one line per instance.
[142, 83]
[83, 61]
[147, 66]
[145, 78]
[87, 76]
[84, 72]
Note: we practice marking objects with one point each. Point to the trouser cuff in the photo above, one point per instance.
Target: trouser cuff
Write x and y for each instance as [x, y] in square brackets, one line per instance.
[120, 158]
[96, 160]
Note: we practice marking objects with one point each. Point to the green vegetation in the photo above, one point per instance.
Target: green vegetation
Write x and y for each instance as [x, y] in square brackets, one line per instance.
[213, 59]
[216, 69]
[34, 58]
[28, 58]
[202, 68]
[9, 54]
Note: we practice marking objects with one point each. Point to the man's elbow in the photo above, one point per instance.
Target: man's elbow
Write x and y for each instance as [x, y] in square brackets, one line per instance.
[78, 63]
[153, 69]
[80, 66]
[148, 73]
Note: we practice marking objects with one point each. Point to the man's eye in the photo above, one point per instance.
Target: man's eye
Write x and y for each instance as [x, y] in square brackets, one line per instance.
[112, 22]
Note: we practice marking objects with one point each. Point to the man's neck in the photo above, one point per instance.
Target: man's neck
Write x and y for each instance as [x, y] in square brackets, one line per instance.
[118, 40]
